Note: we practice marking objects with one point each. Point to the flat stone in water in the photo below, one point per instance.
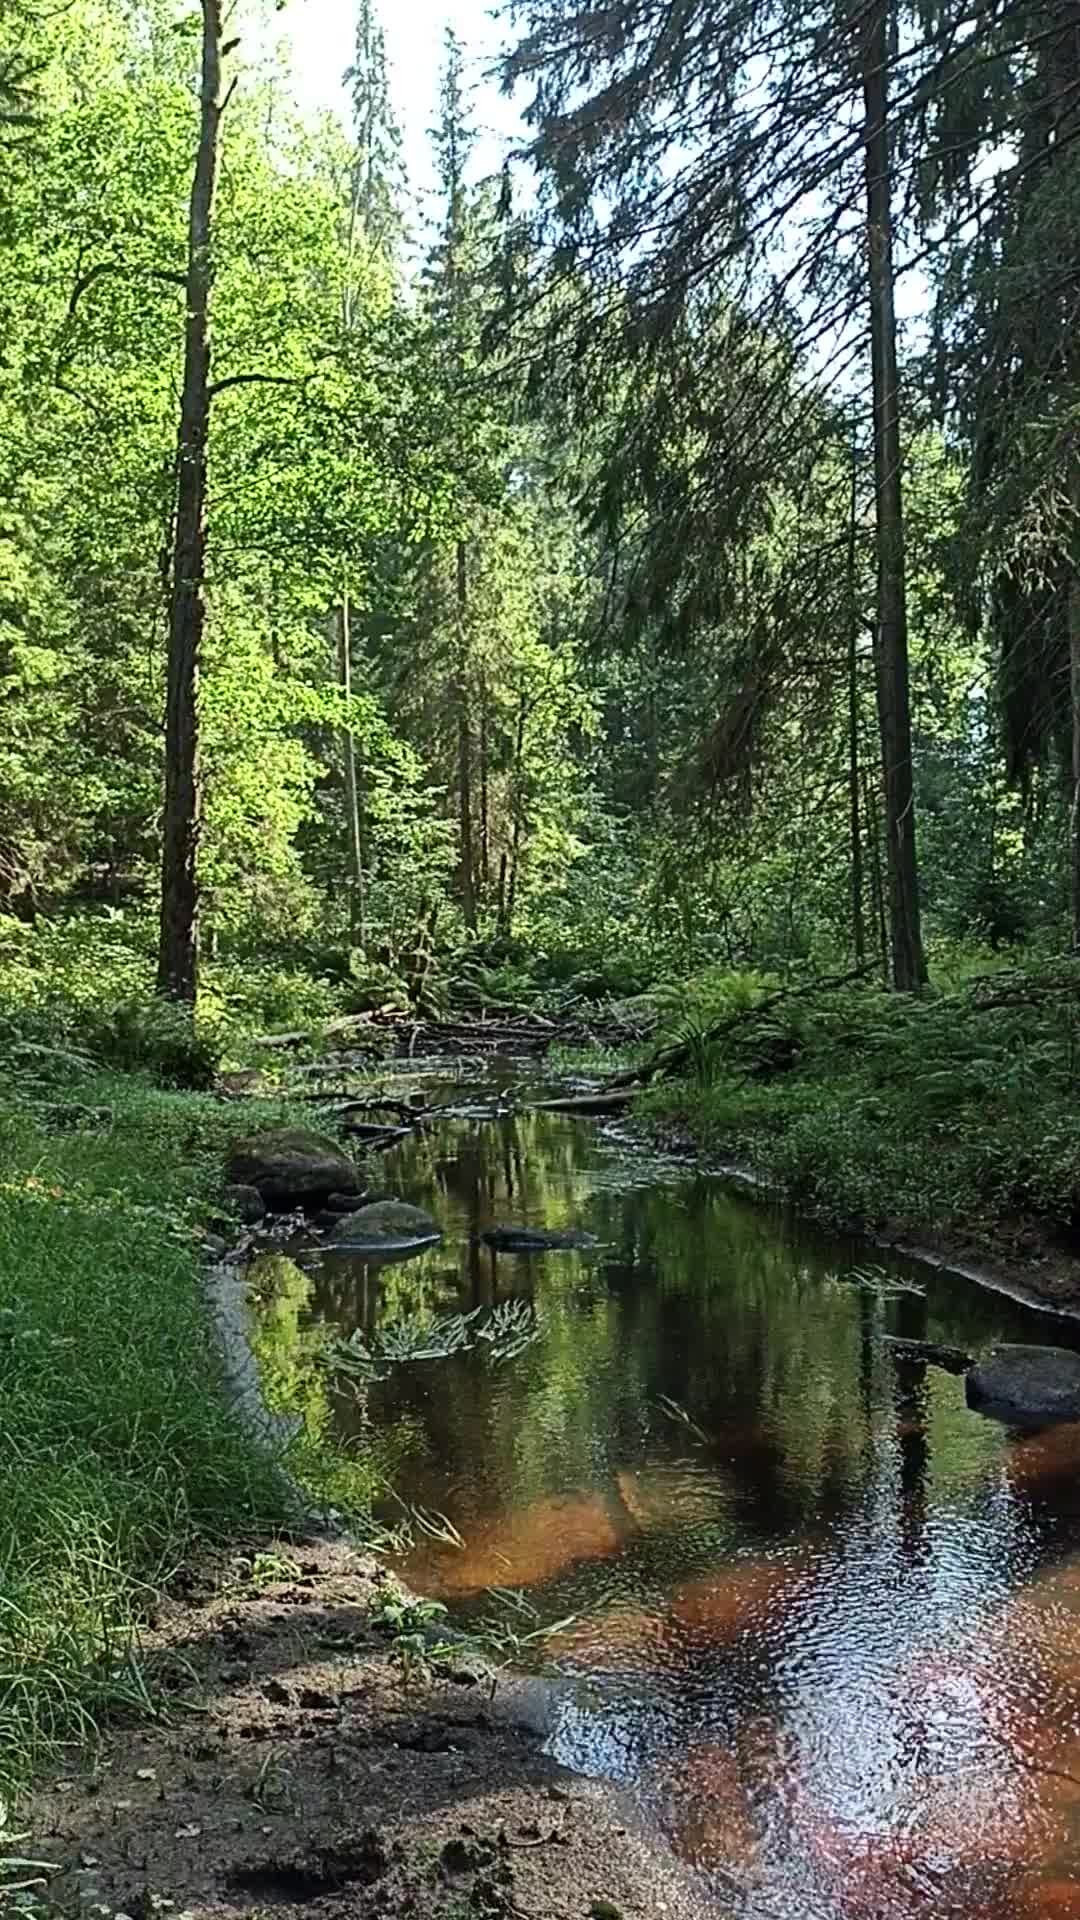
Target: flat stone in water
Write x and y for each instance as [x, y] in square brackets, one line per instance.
[537, 1239]
[385, 1226]
[1026, 1384]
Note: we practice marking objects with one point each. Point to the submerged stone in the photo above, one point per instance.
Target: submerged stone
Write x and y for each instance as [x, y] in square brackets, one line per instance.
[928, 1353]
[385, 1226]
[291, 1167]
[537, 1239]
[1026, 1384]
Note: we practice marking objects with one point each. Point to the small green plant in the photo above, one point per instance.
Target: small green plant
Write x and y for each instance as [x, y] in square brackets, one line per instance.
[409, 1623]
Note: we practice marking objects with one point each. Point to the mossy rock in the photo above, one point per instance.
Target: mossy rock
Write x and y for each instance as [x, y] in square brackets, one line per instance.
[385, 1227]
[291, 1167]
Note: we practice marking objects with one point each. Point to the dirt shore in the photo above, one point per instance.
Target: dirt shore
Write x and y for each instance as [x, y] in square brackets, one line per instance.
[295, 1768]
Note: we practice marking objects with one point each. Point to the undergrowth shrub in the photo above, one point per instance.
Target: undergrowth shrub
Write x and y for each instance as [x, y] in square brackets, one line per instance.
[950, 1109]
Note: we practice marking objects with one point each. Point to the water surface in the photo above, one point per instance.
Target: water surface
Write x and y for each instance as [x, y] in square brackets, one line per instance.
[826, 1621]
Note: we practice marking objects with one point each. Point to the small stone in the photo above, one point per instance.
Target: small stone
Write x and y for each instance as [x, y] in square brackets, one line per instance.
[145, 1773]
[246, 1203]
[89, 1860]
[187, 1833]
[122, 1806]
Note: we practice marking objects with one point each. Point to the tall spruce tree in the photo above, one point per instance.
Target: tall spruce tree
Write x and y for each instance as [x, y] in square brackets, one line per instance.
[374, 226]
[769, 110]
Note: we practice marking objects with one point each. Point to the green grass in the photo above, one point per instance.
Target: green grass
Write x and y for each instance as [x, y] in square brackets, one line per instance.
[954, 1112]
[118, 1454]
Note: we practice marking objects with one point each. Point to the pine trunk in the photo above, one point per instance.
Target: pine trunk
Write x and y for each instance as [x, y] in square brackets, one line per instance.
[358, 901]
[178, 951]
[891, 643]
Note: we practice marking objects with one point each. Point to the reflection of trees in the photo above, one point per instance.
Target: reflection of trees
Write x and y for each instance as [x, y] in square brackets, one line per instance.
[737, 1555]
[700, 1296]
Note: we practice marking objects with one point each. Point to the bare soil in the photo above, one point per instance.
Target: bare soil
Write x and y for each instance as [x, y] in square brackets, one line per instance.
[295, 1769]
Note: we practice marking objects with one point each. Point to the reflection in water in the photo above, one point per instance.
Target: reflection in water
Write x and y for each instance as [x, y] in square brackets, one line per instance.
[826, 1620]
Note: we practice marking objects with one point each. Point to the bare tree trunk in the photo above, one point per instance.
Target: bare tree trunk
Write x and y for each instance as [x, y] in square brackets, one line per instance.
[515, 843]
[353, 803]
[485, 811]
[1075, 705]
[858, 923]
[891, 643]
[178, 951]
[465, 832]
[877, 881]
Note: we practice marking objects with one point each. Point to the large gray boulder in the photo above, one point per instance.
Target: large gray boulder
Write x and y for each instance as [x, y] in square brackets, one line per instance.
[1026, 1384]
[385, 1228]
[291, 1167]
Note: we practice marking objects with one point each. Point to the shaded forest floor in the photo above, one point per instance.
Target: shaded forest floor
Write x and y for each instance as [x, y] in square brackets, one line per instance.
[296, 1765]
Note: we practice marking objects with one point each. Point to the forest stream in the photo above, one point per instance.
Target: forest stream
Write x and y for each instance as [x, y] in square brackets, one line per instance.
[824, 1620]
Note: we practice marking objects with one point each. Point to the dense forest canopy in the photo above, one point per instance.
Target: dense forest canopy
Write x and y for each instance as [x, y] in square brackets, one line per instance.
[589, 581]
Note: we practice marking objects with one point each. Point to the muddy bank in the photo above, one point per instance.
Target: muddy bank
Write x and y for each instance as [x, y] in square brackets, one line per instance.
[296, 1766]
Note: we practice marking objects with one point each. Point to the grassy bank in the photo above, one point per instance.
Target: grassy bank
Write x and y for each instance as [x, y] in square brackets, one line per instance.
[954, 1113]
[118, 1455]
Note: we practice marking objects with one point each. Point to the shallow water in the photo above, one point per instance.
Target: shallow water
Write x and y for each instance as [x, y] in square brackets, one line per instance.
[826, 1621]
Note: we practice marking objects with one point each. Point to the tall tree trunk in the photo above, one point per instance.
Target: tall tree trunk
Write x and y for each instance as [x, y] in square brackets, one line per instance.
[485, 809]
[858, 923]
[466, 855]
[891, 642]
[877, 881]
[353, 803]
[1075, 694]
[178, 950]
[515, 843]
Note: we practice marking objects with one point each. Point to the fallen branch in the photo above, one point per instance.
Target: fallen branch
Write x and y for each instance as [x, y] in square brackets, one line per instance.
[600, 1102]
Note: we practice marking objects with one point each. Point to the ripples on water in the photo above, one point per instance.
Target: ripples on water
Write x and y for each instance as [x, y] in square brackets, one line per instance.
[826, 1625]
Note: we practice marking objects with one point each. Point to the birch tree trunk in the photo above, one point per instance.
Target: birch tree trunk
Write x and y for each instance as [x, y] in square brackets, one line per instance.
[891, 640]
[178, 949]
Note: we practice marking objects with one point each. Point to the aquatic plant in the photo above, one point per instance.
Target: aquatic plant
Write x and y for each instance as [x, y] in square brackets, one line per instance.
[500, 1332]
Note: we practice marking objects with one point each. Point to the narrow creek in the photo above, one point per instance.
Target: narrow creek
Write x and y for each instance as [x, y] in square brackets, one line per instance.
[825, 1620]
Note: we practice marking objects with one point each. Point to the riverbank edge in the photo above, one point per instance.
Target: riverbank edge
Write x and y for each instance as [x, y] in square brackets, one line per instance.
[130, 1783]
[300, 1754]
[1046, 1277]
